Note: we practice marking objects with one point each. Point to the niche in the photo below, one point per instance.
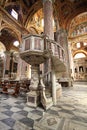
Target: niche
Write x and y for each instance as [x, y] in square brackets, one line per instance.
[81, 69]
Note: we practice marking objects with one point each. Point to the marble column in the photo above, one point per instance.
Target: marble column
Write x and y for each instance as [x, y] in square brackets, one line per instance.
[11, 66]
[48, 18]
[7, 65]
[4, 64]
[54, 87]
[48, 30]
[19, 67]
[71, 59]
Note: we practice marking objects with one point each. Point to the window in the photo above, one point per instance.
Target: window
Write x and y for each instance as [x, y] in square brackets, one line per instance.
[14, 14]
[15, 67]
[81, 69]
[79, 55]
[78, 45]
[42, 22]
[75, 70]
[16, 43]
[85, 43]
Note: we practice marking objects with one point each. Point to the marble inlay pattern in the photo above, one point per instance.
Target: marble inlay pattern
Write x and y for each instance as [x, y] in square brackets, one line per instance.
[70, 113]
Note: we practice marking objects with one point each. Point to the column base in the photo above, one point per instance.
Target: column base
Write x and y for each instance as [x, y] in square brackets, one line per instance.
[33, 98]
[58, 90]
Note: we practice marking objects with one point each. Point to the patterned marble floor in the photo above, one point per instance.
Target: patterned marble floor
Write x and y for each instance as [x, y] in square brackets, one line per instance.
[70, 113]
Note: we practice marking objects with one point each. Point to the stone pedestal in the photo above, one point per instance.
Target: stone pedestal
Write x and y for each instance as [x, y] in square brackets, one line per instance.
[33, 96]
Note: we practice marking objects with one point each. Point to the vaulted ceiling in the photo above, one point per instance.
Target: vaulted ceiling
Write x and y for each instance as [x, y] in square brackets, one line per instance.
[64, 12]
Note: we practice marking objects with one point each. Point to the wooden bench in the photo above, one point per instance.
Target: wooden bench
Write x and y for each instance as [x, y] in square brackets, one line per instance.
[9, 88]
[14, 88]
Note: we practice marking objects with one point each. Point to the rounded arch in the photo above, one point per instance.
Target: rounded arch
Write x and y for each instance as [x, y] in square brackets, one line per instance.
[76, 22]
[73, 15]
[37, 6]
[80, 51]
[33, 30]
[2, 47]
[18, 37]
[79, 55]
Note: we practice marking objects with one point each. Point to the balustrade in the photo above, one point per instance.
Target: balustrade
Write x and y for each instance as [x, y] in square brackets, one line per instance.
[56, 49]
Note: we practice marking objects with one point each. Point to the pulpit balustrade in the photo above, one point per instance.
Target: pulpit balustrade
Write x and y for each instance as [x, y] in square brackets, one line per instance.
[38, 43]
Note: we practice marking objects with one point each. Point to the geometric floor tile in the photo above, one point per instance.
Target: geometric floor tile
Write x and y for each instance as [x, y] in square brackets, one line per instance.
[40, 113]
[19, 106]
[7, 107]
[23, 113]
[65, 115]
[20, 126]
[9, 121]
[70, 113]
[48, 122]
[8, 113]
[74, 125]
[3, 116]
[4, 126]
[15, 109]
[33, 116]
[27, 121]
[28, 109]
[17, 116]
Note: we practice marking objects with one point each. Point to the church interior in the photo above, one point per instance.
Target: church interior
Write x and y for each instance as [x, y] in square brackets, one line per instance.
[43, 64]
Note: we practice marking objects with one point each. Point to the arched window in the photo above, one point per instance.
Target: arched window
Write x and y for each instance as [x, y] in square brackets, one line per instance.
[85, 43]
[14, 14]
[78, 45]
[75, 70]
[79, 55]
[81, 69]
